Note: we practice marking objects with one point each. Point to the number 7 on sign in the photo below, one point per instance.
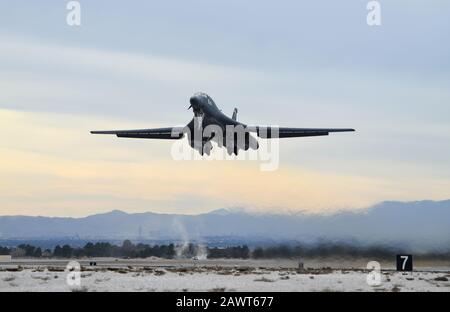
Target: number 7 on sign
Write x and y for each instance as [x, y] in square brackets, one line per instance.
[405, 260]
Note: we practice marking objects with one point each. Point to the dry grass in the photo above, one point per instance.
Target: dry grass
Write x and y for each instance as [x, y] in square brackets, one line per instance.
[264, 279]
[55, 269]
[441, 279]
[42, 278]
[9, 279]
[159, 272]
[245, 269]
[79, 289]
[18, 269]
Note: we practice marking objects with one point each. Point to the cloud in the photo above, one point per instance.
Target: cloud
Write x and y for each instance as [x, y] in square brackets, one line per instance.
[60, 78]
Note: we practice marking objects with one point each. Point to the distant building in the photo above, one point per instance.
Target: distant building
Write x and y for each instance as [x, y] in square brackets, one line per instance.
[5, 258]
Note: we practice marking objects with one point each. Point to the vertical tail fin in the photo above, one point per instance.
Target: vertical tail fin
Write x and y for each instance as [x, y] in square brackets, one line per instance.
[235, 114]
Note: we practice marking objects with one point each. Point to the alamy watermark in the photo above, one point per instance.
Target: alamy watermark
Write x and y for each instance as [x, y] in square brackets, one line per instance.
[73, 17]
[73, 277]
[374, 15]
[238, 142]
[373, 278]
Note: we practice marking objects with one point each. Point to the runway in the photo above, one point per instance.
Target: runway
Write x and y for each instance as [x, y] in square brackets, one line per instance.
[210, 275]
[313, 263]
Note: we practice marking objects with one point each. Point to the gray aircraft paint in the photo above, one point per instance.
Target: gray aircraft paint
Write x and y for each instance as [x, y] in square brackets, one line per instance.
[207, 114]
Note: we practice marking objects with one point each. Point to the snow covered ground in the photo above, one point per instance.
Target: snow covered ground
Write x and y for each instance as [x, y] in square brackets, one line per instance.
[203, 278]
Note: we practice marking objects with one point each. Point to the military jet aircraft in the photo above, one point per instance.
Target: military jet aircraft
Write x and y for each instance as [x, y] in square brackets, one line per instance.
[210, 124]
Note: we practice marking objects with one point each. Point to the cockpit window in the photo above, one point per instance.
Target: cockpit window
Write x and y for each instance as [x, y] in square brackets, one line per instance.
[207, 98]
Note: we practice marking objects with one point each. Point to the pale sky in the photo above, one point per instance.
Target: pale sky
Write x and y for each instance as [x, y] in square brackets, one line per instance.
[289, 63]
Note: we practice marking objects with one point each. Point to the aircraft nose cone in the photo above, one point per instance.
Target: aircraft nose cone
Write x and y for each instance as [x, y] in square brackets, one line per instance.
[195, 101]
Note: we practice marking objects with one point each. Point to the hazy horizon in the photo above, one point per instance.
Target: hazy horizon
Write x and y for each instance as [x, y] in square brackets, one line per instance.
[246, 210]
[417, 226]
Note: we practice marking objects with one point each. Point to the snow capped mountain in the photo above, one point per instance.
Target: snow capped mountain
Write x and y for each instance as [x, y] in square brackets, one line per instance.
[421, 223]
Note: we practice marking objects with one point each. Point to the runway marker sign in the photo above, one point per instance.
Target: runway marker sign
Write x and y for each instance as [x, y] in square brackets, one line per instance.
[404, 263]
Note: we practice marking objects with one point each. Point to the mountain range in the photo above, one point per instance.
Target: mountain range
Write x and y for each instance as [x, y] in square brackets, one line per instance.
[420, 224]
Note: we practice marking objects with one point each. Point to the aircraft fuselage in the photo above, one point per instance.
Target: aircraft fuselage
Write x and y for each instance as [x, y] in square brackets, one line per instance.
[208, 115]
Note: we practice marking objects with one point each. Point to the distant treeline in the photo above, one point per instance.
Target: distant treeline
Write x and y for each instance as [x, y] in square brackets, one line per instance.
[140, 250]
[127, 250]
